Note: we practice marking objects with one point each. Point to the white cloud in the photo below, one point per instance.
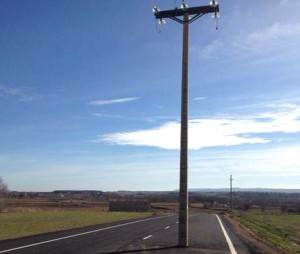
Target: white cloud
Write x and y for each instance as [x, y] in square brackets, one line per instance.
[214, 132]
[163, 137]
[113, 101]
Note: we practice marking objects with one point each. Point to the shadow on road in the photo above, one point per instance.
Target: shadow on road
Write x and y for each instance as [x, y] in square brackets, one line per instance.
[150, 250]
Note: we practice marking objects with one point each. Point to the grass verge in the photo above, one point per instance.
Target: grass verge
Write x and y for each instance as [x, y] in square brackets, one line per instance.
[281, 230]
[14, 225]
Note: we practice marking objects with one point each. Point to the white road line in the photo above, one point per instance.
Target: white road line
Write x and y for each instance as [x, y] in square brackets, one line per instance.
[231, 247]
[80, 234]
[167, 227]
[145, 238]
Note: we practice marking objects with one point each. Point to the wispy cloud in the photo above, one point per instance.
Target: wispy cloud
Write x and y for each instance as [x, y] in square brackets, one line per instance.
[215, 132]
[156, 118]
[106, 115]
[23, 94]
[148, 119]
[199, 98]
[281, 38]
[277, 36]
[113, 101]
[210, 51]
[250, 167]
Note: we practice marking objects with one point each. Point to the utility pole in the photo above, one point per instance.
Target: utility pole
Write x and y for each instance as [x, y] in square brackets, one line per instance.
[189, 15]
[231, 201]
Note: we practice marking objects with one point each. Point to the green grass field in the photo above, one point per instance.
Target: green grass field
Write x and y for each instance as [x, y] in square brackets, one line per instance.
[13, 225]
[282, 230]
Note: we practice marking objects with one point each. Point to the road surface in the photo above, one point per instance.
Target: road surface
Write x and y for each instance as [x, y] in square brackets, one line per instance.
[208, 233]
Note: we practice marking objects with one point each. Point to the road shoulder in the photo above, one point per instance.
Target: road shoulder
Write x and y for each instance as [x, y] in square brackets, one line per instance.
[255, 243]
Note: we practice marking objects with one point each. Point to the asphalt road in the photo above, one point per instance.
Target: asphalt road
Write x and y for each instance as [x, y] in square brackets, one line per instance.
[208, 233]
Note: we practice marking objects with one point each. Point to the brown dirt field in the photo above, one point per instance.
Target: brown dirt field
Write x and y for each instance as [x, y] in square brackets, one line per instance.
[39, 204]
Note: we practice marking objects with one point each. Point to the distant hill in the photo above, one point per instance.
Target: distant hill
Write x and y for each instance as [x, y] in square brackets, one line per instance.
[245, 190]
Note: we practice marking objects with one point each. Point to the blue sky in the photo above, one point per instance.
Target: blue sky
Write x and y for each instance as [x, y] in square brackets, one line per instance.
[90, 95]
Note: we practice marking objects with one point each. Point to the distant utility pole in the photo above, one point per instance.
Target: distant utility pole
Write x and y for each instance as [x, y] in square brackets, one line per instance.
[231, 201]
[189, 15]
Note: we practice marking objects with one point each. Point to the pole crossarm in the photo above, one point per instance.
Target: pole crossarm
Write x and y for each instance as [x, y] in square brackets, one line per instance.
[196, 11]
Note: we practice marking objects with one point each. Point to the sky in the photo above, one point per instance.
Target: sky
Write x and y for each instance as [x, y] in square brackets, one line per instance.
[90, 95]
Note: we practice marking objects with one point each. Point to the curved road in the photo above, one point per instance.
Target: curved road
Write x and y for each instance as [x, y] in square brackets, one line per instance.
[208, 233]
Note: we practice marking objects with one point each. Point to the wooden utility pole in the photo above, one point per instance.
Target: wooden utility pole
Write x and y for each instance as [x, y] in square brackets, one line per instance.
[189, 15]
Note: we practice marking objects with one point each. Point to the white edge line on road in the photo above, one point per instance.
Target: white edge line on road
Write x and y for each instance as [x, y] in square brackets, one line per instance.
[80, 234]
[145, 238]
[167, 227]
[231, 247]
